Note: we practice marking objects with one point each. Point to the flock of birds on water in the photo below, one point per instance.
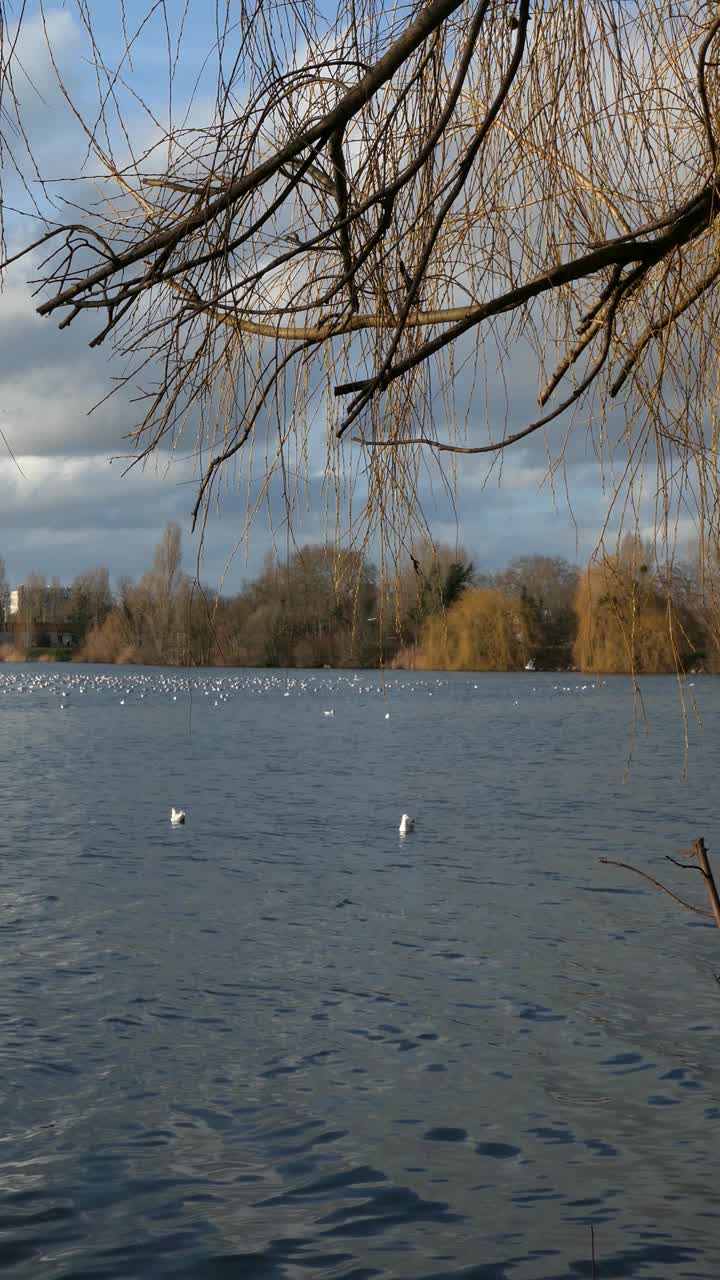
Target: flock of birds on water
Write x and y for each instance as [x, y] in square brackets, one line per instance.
[129, 686]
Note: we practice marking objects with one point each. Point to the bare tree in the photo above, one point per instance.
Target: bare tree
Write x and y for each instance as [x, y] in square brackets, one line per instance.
[429, 580]
[167, 565]
[56, 600]
[90, 599]
[383, 205]
[153, 616]
[4, 593]
[32, 608]
[158, 593]
[34, 597]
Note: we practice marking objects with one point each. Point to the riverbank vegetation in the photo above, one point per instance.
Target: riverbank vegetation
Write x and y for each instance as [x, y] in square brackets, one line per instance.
[328, 607]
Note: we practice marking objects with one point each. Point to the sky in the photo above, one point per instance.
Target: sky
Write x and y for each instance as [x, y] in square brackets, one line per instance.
[67, 500]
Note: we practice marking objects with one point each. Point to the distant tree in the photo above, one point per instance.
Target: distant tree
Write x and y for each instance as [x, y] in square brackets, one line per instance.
[32, 599]
[167, 560]
[459, 577]
[163, 618]
[4, 592]
[56, 600]
[196, 618]
[125, 609]
[431, 580]
[694, 587]
[549, 582]
[548, 585]
[486, 630]
[156, 599]
[231, 641]
[90, 599]
[626, 617]
[311, 610]
[109, 641]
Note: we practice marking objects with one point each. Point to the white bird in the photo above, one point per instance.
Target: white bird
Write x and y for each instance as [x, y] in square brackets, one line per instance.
[177, 817]
[406, 824]
[328, 713]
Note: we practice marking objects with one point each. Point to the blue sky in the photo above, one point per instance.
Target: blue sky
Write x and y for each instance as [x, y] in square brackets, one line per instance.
[69, 507]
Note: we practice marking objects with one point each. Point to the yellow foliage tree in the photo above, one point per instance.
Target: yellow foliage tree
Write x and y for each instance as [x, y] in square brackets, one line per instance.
[485, 631]
[625, 622]
[110, 641]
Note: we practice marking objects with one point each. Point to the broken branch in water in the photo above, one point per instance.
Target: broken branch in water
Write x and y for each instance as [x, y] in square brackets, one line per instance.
[698, 851]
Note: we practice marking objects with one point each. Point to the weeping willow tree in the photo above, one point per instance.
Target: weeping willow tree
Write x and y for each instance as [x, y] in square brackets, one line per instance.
[485, 630]
[381, 207]
[624, 623]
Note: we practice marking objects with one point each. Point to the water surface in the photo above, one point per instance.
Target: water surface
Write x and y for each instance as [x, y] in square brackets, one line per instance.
[283, 1041]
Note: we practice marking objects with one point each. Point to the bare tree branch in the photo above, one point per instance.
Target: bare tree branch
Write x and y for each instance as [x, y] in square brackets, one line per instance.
[383, 203]
[611, 862]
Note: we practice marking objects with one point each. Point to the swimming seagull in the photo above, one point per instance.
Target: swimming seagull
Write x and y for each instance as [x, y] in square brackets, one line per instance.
[177, 817]
[406, 824]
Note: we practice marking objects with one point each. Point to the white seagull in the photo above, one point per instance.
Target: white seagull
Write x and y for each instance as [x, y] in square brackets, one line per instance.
[177, 817]
[406, 824]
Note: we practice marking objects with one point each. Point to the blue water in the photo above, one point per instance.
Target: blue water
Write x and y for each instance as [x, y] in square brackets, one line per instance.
[282, 1041]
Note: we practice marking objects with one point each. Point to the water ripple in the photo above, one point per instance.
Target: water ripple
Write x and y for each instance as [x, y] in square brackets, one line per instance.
[280, 1041]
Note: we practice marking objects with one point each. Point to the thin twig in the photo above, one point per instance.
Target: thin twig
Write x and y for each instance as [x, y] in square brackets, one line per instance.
[688, 905]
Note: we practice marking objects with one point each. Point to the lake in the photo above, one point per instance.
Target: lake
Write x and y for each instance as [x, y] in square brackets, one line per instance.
[283, 1041]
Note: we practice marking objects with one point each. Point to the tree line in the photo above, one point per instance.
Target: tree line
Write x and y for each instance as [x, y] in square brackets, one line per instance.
[322, 606]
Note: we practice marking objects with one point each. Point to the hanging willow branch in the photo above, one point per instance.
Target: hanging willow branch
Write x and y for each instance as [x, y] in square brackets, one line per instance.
[376, 199]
